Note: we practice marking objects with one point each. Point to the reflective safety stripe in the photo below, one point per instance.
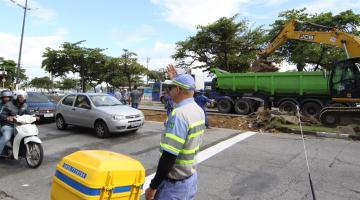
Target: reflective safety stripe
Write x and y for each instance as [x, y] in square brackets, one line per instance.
[173, 143]
[184, 162]
[196, 134]
[173, 112]
[197, 128]
[171, 148]
[175, 137]
[196, 124]
[190, 151]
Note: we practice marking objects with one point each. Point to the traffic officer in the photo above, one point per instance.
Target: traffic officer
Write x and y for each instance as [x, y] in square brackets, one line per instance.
[176, 176]
[202, 100]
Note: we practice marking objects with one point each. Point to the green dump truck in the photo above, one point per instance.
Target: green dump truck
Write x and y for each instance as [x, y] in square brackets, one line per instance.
[245, 92]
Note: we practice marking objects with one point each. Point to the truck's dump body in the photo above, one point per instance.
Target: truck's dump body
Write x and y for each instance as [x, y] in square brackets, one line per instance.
[274, 83]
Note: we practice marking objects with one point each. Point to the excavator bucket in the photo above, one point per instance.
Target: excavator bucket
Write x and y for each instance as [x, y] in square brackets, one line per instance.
[261, 65]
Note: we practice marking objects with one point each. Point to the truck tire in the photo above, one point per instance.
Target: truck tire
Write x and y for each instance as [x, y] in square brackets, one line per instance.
[243, 106]
[287, 106]
[224, 105]
[255, 105]
[330, 119]
[311, 109]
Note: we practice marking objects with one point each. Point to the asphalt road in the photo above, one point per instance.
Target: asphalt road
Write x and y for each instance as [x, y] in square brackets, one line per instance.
[263, 166]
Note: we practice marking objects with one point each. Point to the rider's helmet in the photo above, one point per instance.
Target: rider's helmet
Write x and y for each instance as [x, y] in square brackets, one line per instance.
[6, 93]
[20, 93]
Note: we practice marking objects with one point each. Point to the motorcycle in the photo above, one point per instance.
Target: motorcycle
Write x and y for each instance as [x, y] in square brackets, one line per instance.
[26, 143]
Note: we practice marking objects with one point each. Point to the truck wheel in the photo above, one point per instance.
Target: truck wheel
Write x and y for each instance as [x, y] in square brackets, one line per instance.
[224, 106]
[311, 109]
[243, 106]
[329, 119]
[287, 106]
[255, 105]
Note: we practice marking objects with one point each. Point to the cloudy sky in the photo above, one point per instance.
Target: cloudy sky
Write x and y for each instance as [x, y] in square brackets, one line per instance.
[149, 28]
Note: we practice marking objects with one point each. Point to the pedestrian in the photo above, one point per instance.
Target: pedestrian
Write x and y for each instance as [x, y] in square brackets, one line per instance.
[176, 176]
[118, 95]
[202, 100]
[169, 103]
[124, 96]
[135, 97]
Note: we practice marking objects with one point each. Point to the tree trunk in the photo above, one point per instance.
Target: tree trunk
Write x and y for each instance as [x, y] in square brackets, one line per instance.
[300, 67]
[129, 82]
[82, 80]
[320, 58]
[227, 62]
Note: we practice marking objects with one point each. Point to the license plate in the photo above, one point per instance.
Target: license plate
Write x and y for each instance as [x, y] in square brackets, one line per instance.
[134, 124]
[49, 115]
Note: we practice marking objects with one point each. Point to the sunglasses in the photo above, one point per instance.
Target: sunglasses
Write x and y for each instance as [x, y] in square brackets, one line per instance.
[171, 87]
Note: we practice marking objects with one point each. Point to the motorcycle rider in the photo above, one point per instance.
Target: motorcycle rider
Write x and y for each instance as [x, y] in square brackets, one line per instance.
[15, 107]
[6, 96]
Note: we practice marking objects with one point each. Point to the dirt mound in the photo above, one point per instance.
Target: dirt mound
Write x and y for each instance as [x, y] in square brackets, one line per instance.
[269, 121]
[263, 66]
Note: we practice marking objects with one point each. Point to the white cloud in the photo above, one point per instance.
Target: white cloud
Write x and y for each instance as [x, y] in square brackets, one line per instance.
[335, 6]
[33, 48]
[127, 37]
[159, 54]
[189, 13]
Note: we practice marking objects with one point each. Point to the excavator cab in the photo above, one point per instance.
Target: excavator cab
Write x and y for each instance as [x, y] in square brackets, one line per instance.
[344, 81]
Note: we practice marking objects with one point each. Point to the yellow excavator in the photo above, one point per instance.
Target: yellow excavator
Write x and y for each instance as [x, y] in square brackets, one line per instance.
[344, 79]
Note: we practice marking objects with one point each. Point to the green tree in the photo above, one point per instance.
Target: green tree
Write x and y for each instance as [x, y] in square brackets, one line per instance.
[156, 75]
[130, 68]
[114, 74]
[226, 44]
[302, 53]
[71, 57]
[10, 68]
[42, 83]
[68, 83]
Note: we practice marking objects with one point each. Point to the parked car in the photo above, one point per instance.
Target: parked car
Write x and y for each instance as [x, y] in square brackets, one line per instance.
[41, 105]
[102, 112]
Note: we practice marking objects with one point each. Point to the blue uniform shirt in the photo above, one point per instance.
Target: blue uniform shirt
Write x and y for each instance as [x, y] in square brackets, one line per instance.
[201, 100]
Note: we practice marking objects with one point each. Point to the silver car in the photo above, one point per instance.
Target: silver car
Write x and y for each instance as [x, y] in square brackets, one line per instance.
[102, 112]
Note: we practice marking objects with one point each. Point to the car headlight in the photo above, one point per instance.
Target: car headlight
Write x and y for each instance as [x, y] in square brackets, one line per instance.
[141, 114]
[118, 117]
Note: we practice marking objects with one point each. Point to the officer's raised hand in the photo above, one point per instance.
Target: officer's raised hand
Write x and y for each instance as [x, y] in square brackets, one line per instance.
[171, 71]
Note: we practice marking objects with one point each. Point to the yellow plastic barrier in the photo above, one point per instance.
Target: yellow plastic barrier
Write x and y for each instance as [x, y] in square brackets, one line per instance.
[97, 175]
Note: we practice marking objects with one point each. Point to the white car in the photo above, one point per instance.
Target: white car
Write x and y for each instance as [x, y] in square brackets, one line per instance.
[102, 112]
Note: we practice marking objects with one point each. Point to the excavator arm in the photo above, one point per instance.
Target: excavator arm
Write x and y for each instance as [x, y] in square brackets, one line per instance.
[329, 36]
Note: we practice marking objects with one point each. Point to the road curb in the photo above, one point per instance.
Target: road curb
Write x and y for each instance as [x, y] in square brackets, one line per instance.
[327, 134]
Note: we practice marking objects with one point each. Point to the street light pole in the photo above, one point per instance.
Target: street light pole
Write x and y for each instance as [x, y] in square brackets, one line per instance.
[3, 73]
[21, 42]
[147, 67]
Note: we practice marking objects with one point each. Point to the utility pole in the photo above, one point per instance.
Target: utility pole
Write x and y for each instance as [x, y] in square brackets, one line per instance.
[147, 67]
[21, 41]
[3, 74]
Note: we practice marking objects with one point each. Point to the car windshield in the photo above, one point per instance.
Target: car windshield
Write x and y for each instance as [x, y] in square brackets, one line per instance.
[37, 98]
[104, 100]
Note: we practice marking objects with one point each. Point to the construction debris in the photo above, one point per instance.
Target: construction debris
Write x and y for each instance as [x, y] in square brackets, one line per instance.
[263, 66]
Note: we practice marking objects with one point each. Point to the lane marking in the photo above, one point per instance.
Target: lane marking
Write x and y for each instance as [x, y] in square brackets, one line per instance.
[209, 152]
